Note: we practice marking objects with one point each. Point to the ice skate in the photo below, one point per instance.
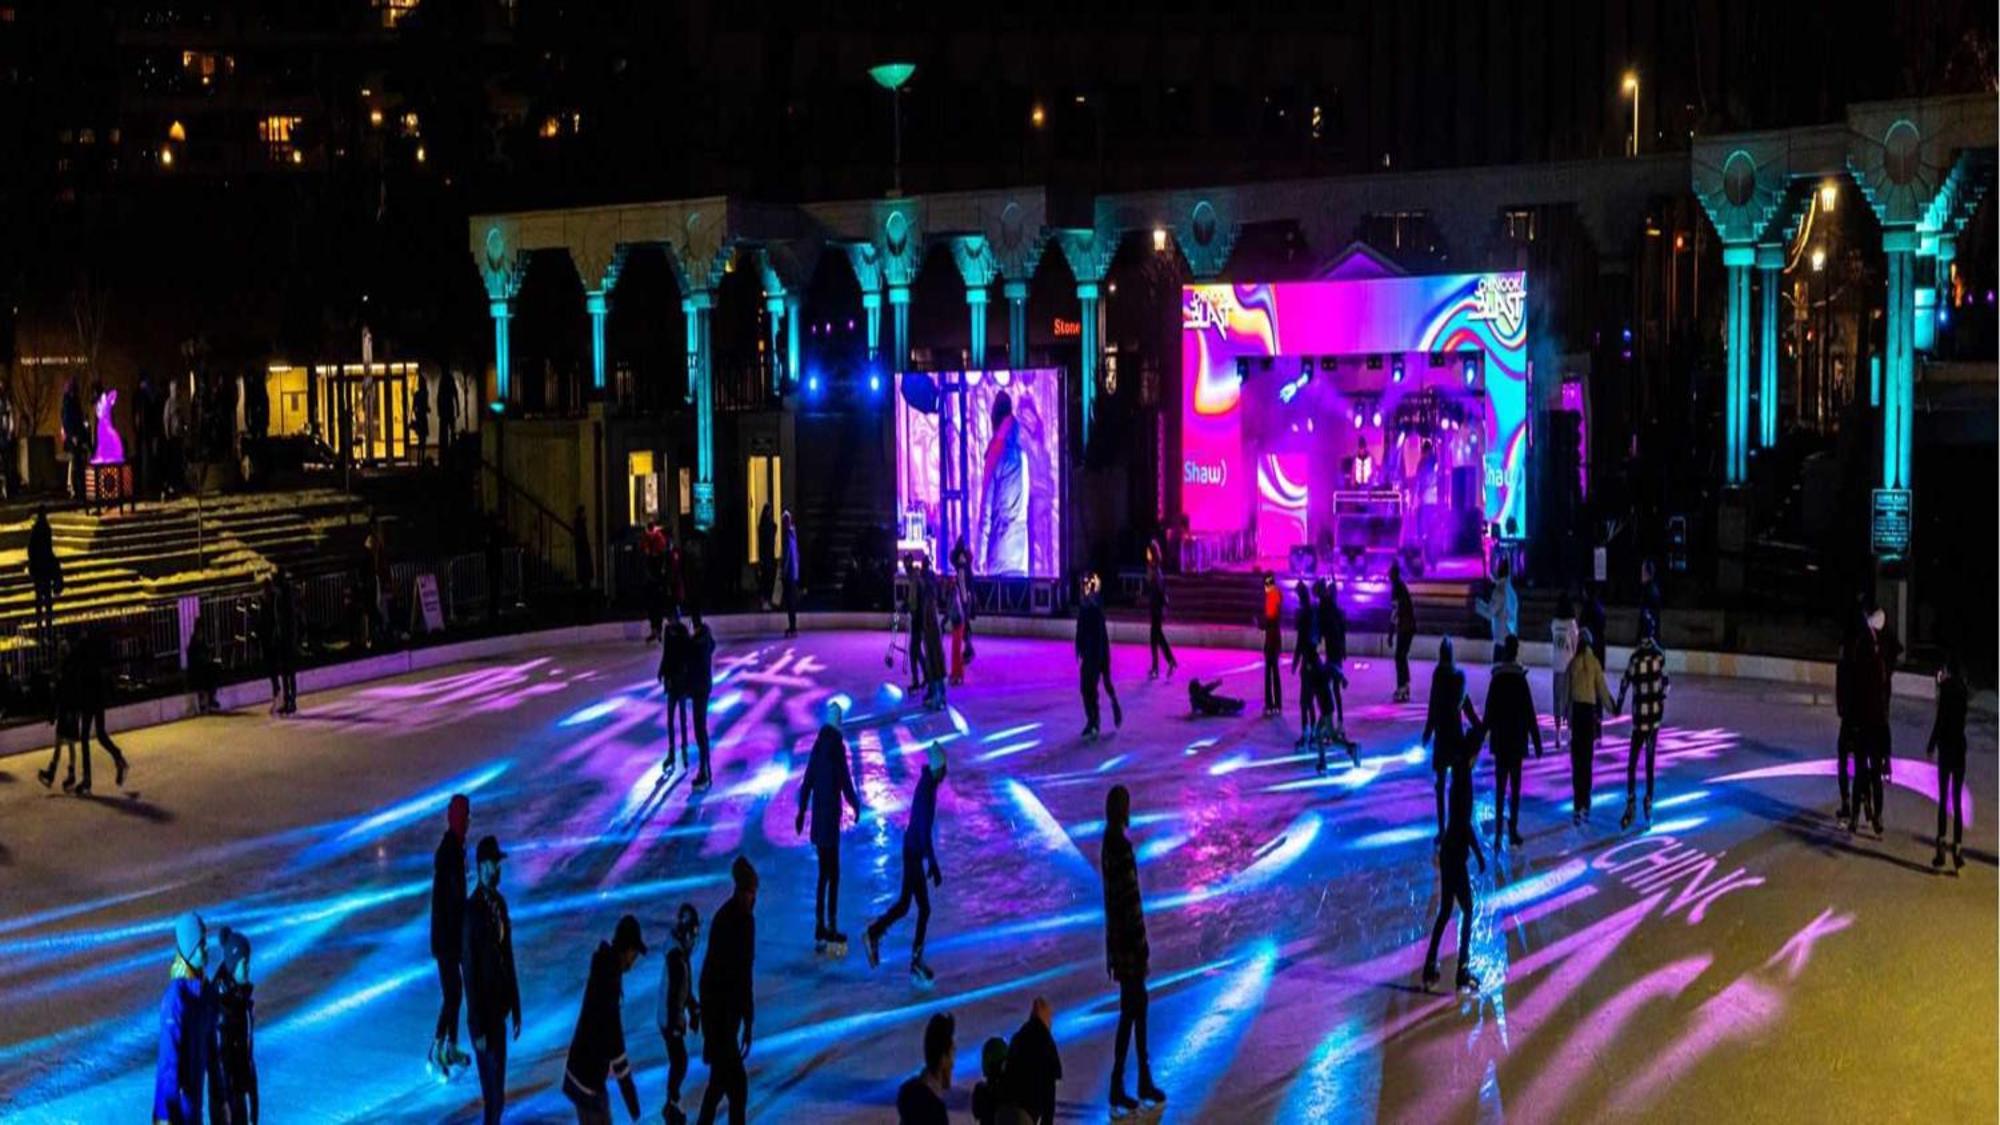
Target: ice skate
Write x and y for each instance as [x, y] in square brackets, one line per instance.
[1089, 733]
[1151, 1097]
[69, 783]
[1957, 858]
[920, 973]
[1431, 975]
[1153, 673]
[1514, 837]
[1937, 859]
[1625, 821]
[438, 1061]
[119, 780]
[1466, 981]
[1172, 667]
[871, 944]
[46, 777]
[1117, 715]
[82, 790]
[832, 944]
[1122, 1105]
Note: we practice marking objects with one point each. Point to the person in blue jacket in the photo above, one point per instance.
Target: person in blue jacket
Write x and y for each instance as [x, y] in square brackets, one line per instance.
[188, 1064]
[918, 853]
[827, 783]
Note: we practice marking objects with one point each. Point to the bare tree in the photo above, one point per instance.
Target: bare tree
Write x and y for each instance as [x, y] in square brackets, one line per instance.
[89, 303]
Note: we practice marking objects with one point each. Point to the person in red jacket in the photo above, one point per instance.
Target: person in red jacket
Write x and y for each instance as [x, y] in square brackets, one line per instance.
[1272, 621]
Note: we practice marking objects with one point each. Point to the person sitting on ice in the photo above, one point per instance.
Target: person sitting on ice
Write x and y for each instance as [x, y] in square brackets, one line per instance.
[1203, 699]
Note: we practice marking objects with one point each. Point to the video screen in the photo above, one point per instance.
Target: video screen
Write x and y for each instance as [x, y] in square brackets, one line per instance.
[1013, 471]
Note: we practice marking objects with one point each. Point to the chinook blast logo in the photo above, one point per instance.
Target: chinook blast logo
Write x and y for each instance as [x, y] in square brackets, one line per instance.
[1204, 309]
[1500, 298]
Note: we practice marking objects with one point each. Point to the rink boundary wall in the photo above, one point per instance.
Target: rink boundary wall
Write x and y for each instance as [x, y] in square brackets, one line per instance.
[1811, 674]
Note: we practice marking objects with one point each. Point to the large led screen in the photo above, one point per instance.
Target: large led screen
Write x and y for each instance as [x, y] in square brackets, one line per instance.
[1013, 467]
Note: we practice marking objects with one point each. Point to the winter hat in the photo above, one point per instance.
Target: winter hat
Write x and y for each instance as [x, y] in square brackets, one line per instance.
[458, 814]
[744, 875]
[934, 757]
[236, 954]
[189, 932]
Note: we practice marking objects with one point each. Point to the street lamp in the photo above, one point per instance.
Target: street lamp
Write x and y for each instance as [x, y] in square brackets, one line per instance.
[1829, 194]
[1630, 87]
[1825, 325]
[891, 76]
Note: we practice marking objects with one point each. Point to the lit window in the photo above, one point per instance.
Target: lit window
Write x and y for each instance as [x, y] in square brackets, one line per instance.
[410, 123]
[86, 136]
[394, 12]
[276, 130]
[1520, 224]
[550, 127]
[375, 118]
[177, 132]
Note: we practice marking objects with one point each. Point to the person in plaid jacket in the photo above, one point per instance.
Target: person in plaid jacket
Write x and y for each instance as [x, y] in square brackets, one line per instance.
[1646, 678]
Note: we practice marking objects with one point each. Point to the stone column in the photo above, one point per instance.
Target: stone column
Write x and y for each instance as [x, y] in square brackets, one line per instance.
[792, 306]
[1899, 370]
[774, 313]
[1016, 293]
[598, 303]
[1770, 264]
[1736, 261]
[503, 381]
[1086, 294]
[975, 303]
[899, 305]
[701, 388]
[871, 311]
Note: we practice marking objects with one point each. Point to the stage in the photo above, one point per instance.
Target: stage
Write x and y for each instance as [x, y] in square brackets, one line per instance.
[1744, 960]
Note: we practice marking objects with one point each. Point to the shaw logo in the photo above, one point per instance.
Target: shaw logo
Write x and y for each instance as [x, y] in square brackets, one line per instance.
[1205, 308]
[1196, 472]
[1500, 298]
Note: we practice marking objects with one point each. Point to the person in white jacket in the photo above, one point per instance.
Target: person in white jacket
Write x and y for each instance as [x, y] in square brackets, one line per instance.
[1502, 609]
[1563, 633]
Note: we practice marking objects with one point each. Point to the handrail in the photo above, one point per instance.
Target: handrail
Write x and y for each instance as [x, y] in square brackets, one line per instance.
[534, 502]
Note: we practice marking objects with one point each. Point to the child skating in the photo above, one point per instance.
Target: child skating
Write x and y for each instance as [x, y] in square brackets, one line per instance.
[826, 784]
[919, 859]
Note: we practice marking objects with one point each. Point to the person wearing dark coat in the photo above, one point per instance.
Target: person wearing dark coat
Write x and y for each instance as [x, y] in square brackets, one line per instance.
[1332, 622]
[788, 574]
[700, 684]
[420, 417]
[920, 1099]
[919, 853]
[1093, 654]
[826, 784]
[1305, 663]
[1203, 699]
[93, 680]
[1156, 613]
[728, 1002]
[447, 412]
[75, 437]
[1403, 622]
[1592, 619]
[676, 653]
[1947, 744]
[492, 991]
[1126, 952]
[1512, 725]
[1858, 701]
[1442, 732]
[926, 608]
[448, 930]
[1458, 842]
[597, 1049]
[44, 570]
[237, 1103]
[187, 1066]
[1034, 1066]
[679, 1009]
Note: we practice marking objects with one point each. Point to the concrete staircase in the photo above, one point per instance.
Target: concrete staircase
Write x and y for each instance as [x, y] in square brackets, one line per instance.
[128, 560]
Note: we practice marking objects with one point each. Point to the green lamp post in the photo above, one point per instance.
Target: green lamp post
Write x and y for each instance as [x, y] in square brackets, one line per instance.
[891, 76]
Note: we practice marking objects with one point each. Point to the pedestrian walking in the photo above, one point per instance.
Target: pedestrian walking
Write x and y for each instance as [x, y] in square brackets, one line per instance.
[597, 1048]
[1442, 732]
[1156, 613]
[919, 860]
[1563, 634]
[492, 991]
[728, 998]
[679, 1009]
[1947, 744]
[186, 1068]
[236, 1032]
[827, 782]
[1127, 955]
[1589, 699]
[44, 571]
[1274, 642]
[920, 1100]
[1403, 621]
[1512, 725]
[1034, 1066]
[1646, 678]
[447, 933]
[700, 684]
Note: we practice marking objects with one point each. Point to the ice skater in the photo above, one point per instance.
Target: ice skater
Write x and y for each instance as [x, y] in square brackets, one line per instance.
[1126, 952]
[94, 659]
[187, 1066]
[1442, 732]
[921, 1099]
[927, 611]
[492, 991]
[700, 685]
[1459, 842]
[1204, 699]
[919, 861]
[676, 655]
[70, 721]
[1332, 622]
[236, 1032]
[1947, 744]
[728, 997]
[1646, 678]
[679, 1009]
[1589, 700]
[1271, 621]
[1093, 654]
[597, 1049]
[1156, 614]
[788, 575]
[1306, 666]
[447, 932]
[1512, 725]
[1403, 622]
[1501, 608]
[1034, 1066]
[1563, 632]
[826, 784]
[955, 621]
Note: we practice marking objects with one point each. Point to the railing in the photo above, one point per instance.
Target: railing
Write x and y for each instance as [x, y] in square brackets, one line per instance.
[548, 538]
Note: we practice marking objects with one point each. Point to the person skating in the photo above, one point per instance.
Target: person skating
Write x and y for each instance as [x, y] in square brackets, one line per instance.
[1947, 744]
[919, 861]
[1442, 732]
[70, 722]
[1093, 655]
[915, 598]
[700, 685]
[788, 570]
[285, 644]
[676, 655]
[44, 571]
[492, 991]
[1646, 678]
[1650, 602]
[728, 999]
[1512, 725]
[1332, 621]
[1563, 634]
[1589, 699]
[187, 1067]
[1156, 614]
[1888, 654]
[928, 612]
[1204, 700]
[961, 568]
[1403, 622]
[1590, 620]
[93, 679]
[1857, 701]
[597, 1049]
[1305, 664]
[1501, 608]
[1034, 1066]
[447, 932]
[954, 621]
[920, 1100]
[236, 1031]
[1270, 619]
[990, 1095]
[679, 1009]
[1459, 841]
[1126, 951]
[827, 782]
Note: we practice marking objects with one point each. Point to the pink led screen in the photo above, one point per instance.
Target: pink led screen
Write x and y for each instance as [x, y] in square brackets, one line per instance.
[1014, 506]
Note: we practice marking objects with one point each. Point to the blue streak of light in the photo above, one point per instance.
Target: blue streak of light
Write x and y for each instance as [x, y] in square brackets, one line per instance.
[1681, 824]
[25, 921]
[1084, 828]
[845, 1028]
[1111, 763]
[291, 914]
[1008, 750]
[1679, 799]
[1392, 837]
[1204, 1052]
[1414, 753]
[565, 904]
[1165, 845]
[1044, 823]
[1341, 1082]
[593, 712]
[353, 1001]
[1535, 887]
[1199, 744]
[1010, 732]
[1229, 765]
[958, 722]
[431, 801]
[725, 702]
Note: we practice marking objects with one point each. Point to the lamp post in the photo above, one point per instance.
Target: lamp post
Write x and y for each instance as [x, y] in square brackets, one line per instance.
[1819, 388]
[1630, 87]
[891, 76]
